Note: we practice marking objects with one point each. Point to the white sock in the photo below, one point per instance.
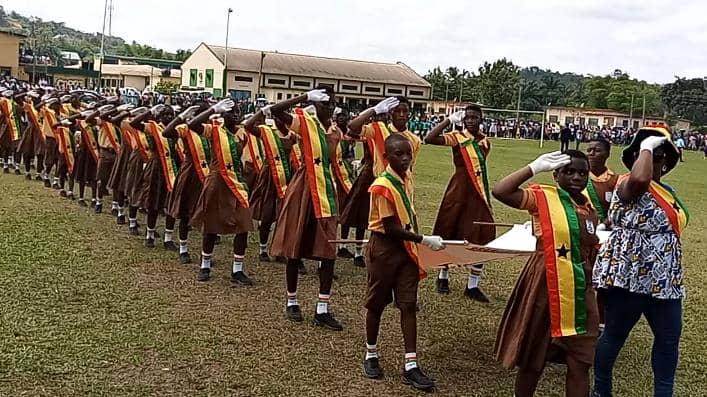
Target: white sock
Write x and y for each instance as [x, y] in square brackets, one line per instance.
[443, 274]
[474, 278]
[341, 246]
[292, 299]
[168, 235]
[323, 303]
[359, 250]
[237, 263]
[183, 247]
[410, 361]
[133, 222]
[150, 233]
[99, 201]
[371, 351]
[114, 205]
[205, 260]
[120, 211]
[56, 180]
[263, 248]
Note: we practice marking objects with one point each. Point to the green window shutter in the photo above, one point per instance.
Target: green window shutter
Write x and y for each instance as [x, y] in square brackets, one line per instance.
[209, 78]
[192, 77]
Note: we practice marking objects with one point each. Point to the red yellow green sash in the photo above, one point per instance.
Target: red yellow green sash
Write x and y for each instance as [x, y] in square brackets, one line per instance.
[566, 283]
[199, 150]
[12, 118]
[475, 163]
[276, 156]
[88, 135]
[64, 139]
[343, 170]
[112, 133]
[179, 145]
[142, 144]
[127, 133]
[390, 187]
[318, 164]
[671, 204]
[255, 151]
[33, 116]
[226, 151]
[165, 150]
[67, 110]
[48, 121]
[377, 145]
[296, 157]
[591, 193]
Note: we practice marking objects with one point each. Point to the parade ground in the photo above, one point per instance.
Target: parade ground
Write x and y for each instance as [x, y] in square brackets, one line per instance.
[88, 310]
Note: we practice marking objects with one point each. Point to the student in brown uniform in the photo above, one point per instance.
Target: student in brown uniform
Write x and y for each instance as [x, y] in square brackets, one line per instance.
[307, 219]
[65, 132]
[118, 173]
[393, 265]
[10, 130]
[343, 170]
[397, 110]
[192, 173]
[108, 148]
[141, 154]
[32, 143]
[552, 313]
[223, 204]
[467, 198]
[86, 154]
[50, 113]
[158, 173]
[271, 184]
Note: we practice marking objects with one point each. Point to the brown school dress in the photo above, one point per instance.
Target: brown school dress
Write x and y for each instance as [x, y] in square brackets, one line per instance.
[263, 197]
[152, 186]
[32, 142]
[85, 165]
[462, 205]
[218, 211]
[604, 184]
[524, 338]
[187, 189]
[118, 173]
[354, 212]
[133, 176]
[299, 233]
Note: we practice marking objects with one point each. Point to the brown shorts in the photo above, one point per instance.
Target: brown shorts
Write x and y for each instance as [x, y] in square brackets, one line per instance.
[391, 273]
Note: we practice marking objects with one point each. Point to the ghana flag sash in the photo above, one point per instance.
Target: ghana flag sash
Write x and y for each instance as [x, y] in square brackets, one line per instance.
[591, 193]
[317, 164]
[671, 204]
[276, 156]
[566, 281]
[88, 135]
[166, 152]
[391, 188]
[142, 144]
[179, 146]
[343, 170]
[226, 151]
[475, 164]
[199, 150]
[64, 139]
[127, 133]
[48, 121]
[376, 145]
[296, 157]
[112, 133]
[33, 116]
[12, 118]
[255, 151]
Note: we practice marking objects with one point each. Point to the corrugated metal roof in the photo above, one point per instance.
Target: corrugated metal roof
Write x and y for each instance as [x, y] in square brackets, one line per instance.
[314, 66]
[138, 70]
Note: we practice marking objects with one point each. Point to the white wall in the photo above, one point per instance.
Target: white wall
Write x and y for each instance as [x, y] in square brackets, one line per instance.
[202, 59]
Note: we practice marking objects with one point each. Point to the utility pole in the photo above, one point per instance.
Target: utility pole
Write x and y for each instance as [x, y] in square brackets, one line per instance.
[643, 117]
[110, 19]
[225, 54]
[630, 115]
[446, 94]
[103, 39]
[520, 89]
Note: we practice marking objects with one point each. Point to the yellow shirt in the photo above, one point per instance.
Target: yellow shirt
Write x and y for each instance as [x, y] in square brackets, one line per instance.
[367, 132]
[103, 140]
[381, 208]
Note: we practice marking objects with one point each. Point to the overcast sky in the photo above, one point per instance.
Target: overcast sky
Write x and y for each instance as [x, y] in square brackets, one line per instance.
[653, 40]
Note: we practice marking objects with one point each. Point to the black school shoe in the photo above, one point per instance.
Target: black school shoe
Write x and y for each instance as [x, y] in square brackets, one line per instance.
[359, 261]
[218, 240]
[62, 193]
[442, 286]
[344, 252]
[301, 269]
[170, 246]
[204, 275]
[28, 177]
[293, 313]
[264, 257]
[418, 380]
[82, 203]
[476, 294]
[114, 211]
[149, 243]
[185, 258]
[241, 278]
[120, 220]
[6, 170]
[47, 183]
[372, 369]
[70, 196]
[327, 320]
[17, 171]
[99, 208]
[133, 231]
[93, 203]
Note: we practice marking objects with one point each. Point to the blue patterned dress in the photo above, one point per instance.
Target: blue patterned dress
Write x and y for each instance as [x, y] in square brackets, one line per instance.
[643, 254]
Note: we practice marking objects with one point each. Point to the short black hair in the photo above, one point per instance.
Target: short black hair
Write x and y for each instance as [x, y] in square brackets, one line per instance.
[603, 142]
[327, 88]
[474, 107]
[393, 139]
[576, 154]
[402, 99]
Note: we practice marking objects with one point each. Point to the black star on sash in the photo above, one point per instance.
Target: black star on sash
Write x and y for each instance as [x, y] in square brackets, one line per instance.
[203, 164]
[408, 227]
[166, 153]
[478, 173]
[676, 206]
[317, 161]
[277, 158]
[341, 162]
[562, 251]
[229, 166]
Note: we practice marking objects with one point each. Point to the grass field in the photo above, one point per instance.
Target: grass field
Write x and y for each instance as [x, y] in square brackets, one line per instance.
[87, 310]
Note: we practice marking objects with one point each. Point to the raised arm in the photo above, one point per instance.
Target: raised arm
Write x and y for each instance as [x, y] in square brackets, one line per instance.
[170, 131]
[384, 106]
[197, 123]
[641, 172]
[508, 191]
[435, 136]
[138, 122]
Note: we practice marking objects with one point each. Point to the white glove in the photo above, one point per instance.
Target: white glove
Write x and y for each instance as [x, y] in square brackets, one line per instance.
[112, 99]
[319, 95]
[33, 94]
[434, 242]
[157, 109]
[311, 110]
[602, 227]
[266, 111]
[188, 112]
[386, 105]
[138, 110]
[125, 106]
[105, 108]
[66, 122]
[223, 106]
[87, 113]
[77, 136]
[652, 142]
[457, 117]
[549, 162]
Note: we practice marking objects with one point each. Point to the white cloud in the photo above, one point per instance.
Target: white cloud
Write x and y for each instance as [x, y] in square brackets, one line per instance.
[651, 39]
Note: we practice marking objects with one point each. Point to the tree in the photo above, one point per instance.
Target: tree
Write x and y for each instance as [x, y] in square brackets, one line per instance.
[166, 87]
[686, 98]
[498, 84]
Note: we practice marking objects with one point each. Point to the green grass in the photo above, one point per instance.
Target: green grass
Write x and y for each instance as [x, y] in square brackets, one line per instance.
[86, 310]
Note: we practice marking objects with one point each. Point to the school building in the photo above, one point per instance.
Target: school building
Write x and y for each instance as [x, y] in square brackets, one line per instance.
[275, 76]
[9, 53]
[592, 117]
